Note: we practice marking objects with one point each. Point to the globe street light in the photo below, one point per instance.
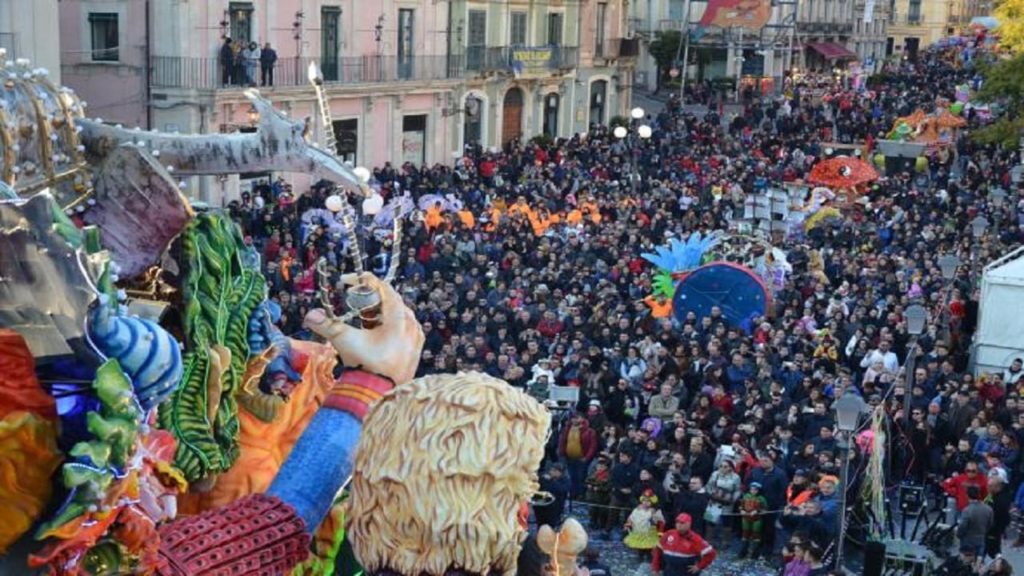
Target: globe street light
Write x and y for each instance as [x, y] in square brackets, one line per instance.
[620, 132]
[637, 113]
[644, 131]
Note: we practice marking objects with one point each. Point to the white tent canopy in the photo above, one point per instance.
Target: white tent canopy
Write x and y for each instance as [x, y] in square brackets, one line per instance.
[1000, 335]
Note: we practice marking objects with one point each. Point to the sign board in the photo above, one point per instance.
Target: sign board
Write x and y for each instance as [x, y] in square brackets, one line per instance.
[532, 62]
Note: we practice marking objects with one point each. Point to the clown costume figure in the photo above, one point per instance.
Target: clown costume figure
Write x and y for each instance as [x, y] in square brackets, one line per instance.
[644, 525]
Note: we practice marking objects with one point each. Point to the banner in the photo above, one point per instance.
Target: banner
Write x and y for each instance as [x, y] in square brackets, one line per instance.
[747, 14]
[530, 62]
[412, 147]
[869, 11]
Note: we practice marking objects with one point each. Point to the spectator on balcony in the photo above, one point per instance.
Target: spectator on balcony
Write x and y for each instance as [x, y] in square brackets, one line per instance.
[268, 57]
[251, 59]
[227, 62]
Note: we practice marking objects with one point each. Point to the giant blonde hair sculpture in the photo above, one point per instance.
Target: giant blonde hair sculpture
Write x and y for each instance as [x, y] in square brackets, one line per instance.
[442, 468]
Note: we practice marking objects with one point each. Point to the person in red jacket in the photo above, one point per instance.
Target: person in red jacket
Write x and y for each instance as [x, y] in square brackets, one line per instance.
[957, 485]
[578, 445]
[681, 551]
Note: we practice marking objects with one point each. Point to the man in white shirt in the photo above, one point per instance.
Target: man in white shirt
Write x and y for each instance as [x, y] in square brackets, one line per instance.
[884, 355]
[1013, 374]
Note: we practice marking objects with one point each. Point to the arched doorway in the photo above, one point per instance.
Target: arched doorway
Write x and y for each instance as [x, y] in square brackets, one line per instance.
[473, 127]
[551, 105]
[512, 116]
[598, 96]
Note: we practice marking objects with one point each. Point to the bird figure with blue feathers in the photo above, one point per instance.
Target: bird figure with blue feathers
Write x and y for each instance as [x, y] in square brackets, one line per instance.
[678, 258]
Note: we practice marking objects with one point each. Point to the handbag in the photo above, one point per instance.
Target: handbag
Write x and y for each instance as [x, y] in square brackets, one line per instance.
[713, 513]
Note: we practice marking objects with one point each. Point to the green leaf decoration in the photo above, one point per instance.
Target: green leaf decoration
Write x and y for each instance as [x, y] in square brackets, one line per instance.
[115, 429]
[97, 453]
[663, 284]
[220, 295]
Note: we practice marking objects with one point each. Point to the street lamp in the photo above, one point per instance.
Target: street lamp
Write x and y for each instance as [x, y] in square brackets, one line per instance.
[637, 113]
[915, 316]
[848, 408]
[334, 203]
[978, 226]
[998, 197]
[373, 204]
[644, 131]
[948, 263]
[620, 132]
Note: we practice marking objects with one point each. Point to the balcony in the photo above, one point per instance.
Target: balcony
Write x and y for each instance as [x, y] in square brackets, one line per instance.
[907, 19]
[207, 73]
[544, 59]
[617, 48]
[836, 28]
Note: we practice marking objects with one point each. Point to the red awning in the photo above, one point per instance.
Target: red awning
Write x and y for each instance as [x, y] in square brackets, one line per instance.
[832, 50]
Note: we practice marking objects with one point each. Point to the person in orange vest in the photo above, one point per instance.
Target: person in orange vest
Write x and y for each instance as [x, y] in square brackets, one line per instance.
[799, 490]
[574, 217]
[493, 218]
[467, 218]
[589, 208]
[433, 217]
[660, 306]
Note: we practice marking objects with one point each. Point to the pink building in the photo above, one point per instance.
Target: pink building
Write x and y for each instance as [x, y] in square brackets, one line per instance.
[407, 80]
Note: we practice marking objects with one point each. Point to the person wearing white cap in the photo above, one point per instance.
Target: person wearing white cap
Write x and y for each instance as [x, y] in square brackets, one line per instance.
[1000, 499]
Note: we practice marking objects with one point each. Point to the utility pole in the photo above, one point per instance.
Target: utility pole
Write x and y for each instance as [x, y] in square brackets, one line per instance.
[739, 63]
[686, 53]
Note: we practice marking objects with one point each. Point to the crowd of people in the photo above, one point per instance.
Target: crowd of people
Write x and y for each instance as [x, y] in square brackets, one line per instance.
[537, 278]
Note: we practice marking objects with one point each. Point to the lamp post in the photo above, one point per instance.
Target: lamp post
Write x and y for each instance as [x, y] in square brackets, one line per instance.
[978, 227]
[948, 263]
[848, 408]
[916, 316]
[998, 197]
[644, 132]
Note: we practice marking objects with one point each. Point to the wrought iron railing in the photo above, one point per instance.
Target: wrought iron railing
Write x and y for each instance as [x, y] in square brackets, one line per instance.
[199, 73]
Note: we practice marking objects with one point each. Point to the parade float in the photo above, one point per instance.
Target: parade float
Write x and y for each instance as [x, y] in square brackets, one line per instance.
[916, 139]
[153, 420]
[736, 274]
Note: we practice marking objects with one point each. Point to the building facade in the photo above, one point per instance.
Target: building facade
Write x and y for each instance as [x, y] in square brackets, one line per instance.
[915, 24]
[835, 32]
[26, 31]
[800, 34]
[405, 80]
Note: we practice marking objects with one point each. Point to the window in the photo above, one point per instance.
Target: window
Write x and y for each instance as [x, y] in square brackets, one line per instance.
[241, 21]
[555, 29]
[330, 17]
[405, 43]
[518, 33]
[346, 133]
[103, 27]
[602, 18]
[914, 12]
[477, 39]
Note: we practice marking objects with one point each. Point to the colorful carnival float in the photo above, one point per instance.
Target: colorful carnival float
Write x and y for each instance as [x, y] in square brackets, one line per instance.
[153, 420]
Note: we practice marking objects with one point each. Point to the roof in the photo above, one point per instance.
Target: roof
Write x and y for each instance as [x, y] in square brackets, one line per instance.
[1011, 272]
[833, 50]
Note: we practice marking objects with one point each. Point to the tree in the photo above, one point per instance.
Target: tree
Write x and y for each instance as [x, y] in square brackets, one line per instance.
[665, 50]
[1010, 14]
[1004, 84]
